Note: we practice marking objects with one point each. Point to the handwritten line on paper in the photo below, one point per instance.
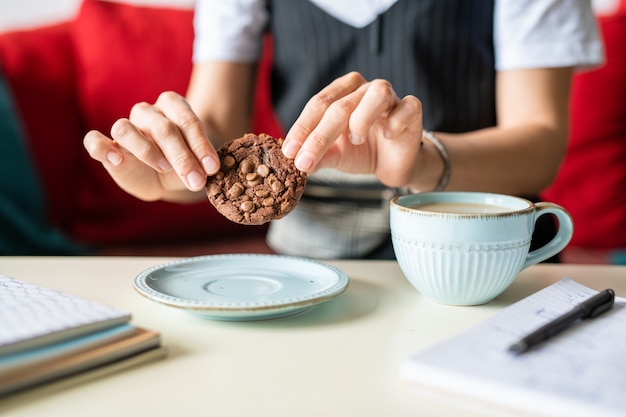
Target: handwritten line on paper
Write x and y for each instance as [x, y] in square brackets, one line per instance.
[580, 371]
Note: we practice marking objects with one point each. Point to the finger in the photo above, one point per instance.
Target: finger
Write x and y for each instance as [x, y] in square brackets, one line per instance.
[378, 100]
[159, 143]
[316, 108]
[143, 148]
[177, 109]
[102, 149]
[406, 117]
[334, 123]
[121, 165]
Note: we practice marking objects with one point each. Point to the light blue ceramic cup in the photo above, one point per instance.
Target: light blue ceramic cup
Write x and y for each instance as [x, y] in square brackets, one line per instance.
[466, 248]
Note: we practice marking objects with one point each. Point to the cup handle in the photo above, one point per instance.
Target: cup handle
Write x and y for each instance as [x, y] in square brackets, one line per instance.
[559, 241]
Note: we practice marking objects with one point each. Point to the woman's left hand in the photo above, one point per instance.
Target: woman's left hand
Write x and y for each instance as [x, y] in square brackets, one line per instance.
[358, 126]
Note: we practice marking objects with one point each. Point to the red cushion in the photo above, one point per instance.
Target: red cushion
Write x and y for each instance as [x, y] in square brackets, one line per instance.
[126, 54]
[39, 67]
[592, 180]
[265, 120]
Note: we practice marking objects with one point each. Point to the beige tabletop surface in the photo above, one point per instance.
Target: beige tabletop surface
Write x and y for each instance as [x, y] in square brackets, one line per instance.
[339, 358]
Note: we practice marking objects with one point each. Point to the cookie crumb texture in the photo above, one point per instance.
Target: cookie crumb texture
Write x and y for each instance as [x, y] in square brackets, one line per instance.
[256, 182]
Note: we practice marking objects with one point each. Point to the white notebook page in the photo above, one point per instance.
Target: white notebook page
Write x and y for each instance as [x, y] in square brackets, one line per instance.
[579, 372]
[32, 316]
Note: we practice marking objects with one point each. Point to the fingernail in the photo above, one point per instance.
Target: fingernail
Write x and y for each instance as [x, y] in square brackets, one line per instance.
[304, 162]
[164, 165]
[356, 140]
[114, 158]
[290, 149]
[196, 180]
[210, 165]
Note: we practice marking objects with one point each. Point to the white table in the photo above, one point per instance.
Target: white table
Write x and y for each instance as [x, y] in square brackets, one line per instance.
[340, 358]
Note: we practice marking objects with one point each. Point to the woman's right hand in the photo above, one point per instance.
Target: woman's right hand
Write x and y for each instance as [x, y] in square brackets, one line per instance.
[161, 152]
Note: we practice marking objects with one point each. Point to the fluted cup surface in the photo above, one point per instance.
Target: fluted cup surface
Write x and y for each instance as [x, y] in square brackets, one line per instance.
[466, 248]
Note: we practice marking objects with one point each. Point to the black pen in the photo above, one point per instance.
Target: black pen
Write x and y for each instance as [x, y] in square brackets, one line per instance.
[590, 308]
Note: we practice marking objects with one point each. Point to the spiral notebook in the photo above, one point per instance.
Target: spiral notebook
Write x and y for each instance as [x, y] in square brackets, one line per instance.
[46, 335]
[580, 372]
[32, 316]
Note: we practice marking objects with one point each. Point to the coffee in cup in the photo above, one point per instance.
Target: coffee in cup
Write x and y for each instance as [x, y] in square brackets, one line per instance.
[466, 248]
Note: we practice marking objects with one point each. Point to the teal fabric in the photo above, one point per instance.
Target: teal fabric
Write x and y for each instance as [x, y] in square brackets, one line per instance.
[23, 228]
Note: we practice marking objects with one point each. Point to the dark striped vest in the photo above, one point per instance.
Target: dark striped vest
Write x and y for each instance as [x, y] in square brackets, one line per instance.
[441, 51]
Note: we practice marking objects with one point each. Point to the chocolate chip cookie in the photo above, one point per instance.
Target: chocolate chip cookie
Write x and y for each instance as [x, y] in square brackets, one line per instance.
[256, 182]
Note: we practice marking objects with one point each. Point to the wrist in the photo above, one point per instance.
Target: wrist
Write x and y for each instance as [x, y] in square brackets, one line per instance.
[434, 168]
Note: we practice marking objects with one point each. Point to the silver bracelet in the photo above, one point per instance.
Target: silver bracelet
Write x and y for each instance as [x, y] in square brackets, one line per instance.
[447, 168]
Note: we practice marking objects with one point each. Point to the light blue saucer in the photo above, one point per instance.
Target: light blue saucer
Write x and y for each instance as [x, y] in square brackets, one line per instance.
[242, 287]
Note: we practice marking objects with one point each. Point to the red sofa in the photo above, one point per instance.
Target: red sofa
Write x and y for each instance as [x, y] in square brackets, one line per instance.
[84, 74]
[592, 181]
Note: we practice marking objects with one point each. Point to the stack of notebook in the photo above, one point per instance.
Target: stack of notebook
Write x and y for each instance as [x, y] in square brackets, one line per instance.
[46, 335]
